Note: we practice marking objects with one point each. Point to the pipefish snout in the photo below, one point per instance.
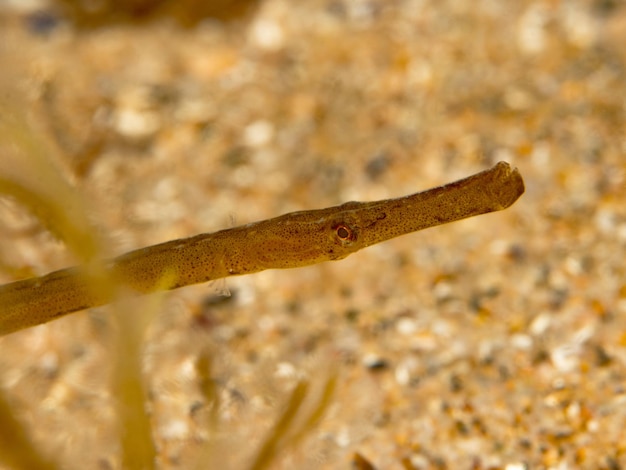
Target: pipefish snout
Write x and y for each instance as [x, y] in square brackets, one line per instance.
[289, 241]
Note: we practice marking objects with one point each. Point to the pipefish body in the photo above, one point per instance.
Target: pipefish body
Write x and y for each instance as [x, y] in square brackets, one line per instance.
[289, 241]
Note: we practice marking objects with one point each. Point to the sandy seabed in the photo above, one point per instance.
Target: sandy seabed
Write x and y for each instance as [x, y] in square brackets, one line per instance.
[498, 342]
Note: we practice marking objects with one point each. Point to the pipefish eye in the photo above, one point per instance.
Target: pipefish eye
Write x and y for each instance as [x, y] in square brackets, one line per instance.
[345, 233]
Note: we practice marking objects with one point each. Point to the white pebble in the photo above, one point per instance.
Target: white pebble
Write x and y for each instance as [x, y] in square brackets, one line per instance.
[259, 133]
[267, 34]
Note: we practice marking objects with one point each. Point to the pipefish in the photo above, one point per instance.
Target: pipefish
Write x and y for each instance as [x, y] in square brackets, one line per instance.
[289, 241]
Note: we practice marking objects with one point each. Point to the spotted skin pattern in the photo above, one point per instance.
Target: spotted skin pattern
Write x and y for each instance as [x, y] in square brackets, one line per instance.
[290, 241]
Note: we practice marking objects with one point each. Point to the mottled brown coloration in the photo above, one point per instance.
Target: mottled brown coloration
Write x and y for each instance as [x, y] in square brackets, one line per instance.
[289, 241]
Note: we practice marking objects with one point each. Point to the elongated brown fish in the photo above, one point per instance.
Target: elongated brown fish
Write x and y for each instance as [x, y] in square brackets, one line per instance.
[289, 241]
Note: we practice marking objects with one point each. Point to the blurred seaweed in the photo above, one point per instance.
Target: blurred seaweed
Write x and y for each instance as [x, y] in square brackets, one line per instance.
[188, 13]
[31, 178]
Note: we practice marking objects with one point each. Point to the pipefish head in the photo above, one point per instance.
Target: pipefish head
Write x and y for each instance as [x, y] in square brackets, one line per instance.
[307, 237]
